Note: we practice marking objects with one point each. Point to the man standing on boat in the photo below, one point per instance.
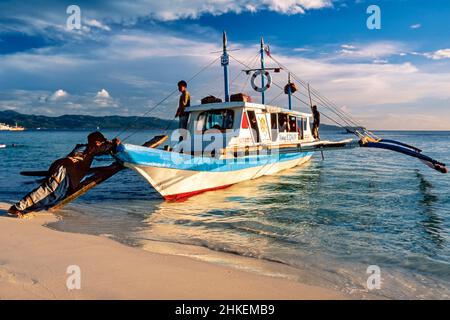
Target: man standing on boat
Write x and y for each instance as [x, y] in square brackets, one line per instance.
[65, 175]
[184, 102]
[316, 122]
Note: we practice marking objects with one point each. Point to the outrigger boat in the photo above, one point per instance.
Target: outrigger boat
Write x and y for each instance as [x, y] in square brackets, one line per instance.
[250, 140]
[236, 140]
[244, 153]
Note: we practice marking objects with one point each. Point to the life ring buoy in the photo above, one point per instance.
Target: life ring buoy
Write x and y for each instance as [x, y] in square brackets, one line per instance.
[268, 83]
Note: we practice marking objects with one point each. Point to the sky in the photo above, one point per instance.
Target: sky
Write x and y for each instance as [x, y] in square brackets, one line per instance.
[129, 55]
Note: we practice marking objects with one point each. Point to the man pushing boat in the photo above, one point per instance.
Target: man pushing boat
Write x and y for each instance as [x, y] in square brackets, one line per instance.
[65, 175]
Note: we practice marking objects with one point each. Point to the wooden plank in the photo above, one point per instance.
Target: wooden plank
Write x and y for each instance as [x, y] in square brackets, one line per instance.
[36, 173]
[89, 183]
[102, 174]
[43, 173]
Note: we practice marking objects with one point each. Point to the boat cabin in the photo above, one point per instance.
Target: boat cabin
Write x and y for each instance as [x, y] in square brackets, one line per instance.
[239, 123]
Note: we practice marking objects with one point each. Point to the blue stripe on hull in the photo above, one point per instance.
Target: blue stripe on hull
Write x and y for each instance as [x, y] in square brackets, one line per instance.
[143, 156]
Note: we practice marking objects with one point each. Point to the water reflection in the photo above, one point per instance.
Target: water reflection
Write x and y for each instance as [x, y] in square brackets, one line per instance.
[432, 222]
[241, 219]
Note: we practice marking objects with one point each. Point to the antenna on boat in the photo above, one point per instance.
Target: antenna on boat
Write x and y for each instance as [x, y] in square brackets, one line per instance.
[225, 61]
[261, 52]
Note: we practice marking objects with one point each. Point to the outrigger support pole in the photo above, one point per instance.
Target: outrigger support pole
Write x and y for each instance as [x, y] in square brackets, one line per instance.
[401, 147]
[368, 142]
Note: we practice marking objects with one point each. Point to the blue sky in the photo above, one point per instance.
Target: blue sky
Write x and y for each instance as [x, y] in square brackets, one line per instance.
[128, 56]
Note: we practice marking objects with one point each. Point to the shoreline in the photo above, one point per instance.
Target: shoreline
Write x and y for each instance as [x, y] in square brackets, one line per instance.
[34, 266]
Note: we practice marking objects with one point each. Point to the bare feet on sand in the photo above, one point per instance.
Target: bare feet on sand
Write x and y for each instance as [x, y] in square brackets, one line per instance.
[14, 212]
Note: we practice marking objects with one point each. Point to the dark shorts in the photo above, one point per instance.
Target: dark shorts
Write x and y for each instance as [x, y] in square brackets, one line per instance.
[183, 122]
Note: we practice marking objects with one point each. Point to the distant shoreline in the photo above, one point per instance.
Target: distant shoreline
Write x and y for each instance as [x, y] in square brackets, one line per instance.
[85, 122]
[115, 122]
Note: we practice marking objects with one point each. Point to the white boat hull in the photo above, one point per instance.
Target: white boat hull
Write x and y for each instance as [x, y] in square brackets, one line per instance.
[174, 184]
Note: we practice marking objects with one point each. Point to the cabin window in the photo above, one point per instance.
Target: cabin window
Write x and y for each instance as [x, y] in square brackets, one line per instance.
[305, 124]
[274, 126]
[300, 122]
[217, 119]
[273, 121]
[200, 123]
[292, 124]
[254, 124]
[283, 122]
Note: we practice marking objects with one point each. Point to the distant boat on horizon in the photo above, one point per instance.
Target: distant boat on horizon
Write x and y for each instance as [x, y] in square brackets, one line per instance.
[6, 127]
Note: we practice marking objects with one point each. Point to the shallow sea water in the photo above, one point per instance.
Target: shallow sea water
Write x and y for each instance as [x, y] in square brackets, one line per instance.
[322, 223]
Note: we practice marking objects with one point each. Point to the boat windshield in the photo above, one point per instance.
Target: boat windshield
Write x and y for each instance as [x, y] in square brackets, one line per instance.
[222, 119]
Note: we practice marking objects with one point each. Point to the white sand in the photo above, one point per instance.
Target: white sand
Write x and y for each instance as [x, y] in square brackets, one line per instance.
[34, 260]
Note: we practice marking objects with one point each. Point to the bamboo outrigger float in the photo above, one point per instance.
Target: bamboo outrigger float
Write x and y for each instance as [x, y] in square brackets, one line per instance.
[237, 140]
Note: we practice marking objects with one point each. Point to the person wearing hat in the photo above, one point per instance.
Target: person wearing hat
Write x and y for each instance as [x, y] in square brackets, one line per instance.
[184, 102]
[65, 175]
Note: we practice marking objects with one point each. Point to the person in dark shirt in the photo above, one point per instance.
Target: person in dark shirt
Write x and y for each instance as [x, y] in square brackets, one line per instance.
[316, 122]
[65, 175]
[184, 102]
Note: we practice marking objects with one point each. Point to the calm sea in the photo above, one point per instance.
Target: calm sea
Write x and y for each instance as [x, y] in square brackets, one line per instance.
[323, 223]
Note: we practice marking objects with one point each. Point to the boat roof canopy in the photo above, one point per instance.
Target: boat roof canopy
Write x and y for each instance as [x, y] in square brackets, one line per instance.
[242, 104]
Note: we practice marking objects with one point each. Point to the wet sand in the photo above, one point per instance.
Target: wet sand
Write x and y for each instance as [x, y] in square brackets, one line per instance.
[34, 261]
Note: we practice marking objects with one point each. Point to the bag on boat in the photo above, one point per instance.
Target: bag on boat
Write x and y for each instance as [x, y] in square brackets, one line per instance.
[290, 85]
[210, 99]
[240, 97]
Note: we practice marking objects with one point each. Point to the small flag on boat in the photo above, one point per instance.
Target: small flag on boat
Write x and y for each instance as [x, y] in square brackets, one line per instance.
[267, 50]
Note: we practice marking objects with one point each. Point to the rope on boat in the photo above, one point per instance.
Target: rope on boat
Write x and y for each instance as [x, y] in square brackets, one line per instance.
[325, 102]
[367, 138]
[251, 62]
[296, 97]
[162, 101]
[276, 97]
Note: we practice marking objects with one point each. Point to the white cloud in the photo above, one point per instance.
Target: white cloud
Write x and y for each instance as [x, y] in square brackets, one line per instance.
[416, 26]
[380, 61]
[372, 50]
[166, 10]
[43, 102]
[439, 54]
[103, 94]
[49, 15]
[348, 47]
[140, 45]
[58, 95]
[364, 86]
[142, 68]
[104, 99]
[97, 24]
[301, 49]
[40, 60]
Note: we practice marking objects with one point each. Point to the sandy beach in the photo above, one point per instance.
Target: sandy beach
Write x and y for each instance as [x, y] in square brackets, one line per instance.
[34, 261]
